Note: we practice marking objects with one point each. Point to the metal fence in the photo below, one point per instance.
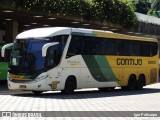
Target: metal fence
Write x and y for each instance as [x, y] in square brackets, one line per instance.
[148, 24]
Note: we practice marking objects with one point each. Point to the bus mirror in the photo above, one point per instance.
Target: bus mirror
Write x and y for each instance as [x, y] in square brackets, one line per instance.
[4, 47]
[46, 46]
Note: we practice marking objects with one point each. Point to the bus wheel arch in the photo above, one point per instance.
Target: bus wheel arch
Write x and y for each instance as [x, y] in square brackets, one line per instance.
[70, 85]
[132, 82]
[141, 82]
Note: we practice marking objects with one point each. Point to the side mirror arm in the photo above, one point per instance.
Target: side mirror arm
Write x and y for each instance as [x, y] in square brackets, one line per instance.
[46, 46]
[4, 47]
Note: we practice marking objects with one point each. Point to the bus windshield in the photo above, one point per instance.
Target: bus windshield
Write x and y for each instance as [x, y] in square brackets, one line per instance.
[27, 55]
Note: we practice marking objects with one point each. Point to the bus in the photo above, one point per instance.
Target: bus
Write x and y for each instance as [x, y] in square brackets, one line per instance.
[4, 64]
[65, 59]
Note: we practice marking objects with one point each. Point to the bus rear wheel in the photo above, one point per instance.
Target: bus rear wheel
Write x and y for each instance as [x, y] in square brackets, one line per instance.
[70, 86]
[140, 82]
[132, 83]
[124, 88]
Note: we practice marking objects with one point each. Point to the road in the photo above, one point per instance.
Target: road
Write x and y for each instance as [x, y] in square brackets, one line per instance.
[87, 100]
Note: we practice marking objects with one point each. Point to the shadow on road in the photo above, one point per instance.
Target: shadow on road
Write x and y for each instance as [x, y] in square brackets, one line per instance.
[90, 94]
[77, 94]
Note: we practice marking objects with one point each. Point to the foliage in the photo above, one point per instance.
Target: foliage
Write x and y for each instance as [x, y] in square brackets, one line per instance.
[143, 6]
[115, 11]
[155, 8]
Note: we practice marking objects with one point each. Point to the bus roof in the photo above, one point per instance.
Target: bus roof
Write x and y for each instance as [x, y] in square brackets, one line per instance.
[44, 32]
[53, 31]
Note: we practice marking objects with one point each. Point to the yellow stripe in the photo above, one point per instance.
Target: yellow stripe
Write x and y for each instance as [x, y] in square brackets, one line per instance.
[121, 36]
[18, 77]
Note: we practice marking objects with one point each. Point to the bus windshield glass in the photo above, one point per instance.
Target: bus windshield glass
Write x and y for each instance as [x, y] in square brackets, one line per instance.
[27, 55]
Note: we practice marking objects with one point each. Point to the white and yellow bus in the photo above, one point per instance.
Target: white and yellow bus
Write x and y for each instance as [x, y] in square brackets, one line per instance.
[61, 58]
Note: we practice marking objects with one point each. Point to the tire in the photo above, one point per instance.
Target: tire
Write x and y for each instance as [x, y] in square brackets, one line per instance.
[70, 86]
[37, 92]
[124, 88]
[132, 83]
[106, 89]
[102, 89]
[111, 88]
[140, 82]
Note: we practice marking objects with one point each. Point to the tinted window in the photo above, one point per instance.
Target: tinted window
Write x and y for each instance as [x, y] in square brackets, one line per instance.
[53, 56]
[54, 53]
[153, 48]
[76, 46]
[121, 47]
[62, 39]
[92, 46]
[107, 46]
[133, 48]
[145, 48]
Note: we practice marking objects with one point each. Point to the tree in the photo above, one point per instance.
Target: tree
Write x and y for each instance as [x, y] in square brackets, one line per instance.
[142, 6]
[155, 8]
[115, 11]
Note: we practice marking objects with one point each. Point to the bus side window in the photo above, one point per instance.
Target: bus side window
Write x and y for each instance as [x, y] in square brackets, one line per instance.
[133, 48]
[153, 49]
[62, 39]
[53, 56]
[144, 49]
[50, 58]
[75, 47]
[110, 47]
[121, 47]
[92, 46]
[98, 48]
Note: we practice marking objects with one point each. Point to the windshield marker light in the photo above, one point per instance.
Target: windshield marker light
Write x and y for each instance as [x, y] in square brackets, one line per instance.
[7, 11]
[27, 25]
[51, 18]
[37, 16]
[34, 23]
[45, 25]
[8, 19]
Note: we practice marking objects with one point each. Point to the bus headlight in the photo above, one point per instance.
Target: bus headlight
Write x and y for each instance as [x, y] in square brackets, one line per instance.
[8, 76]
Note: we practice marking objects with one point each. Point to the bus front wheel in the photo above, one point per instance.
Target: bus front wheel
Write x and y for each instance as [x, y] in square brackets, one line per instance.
[70, 85]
